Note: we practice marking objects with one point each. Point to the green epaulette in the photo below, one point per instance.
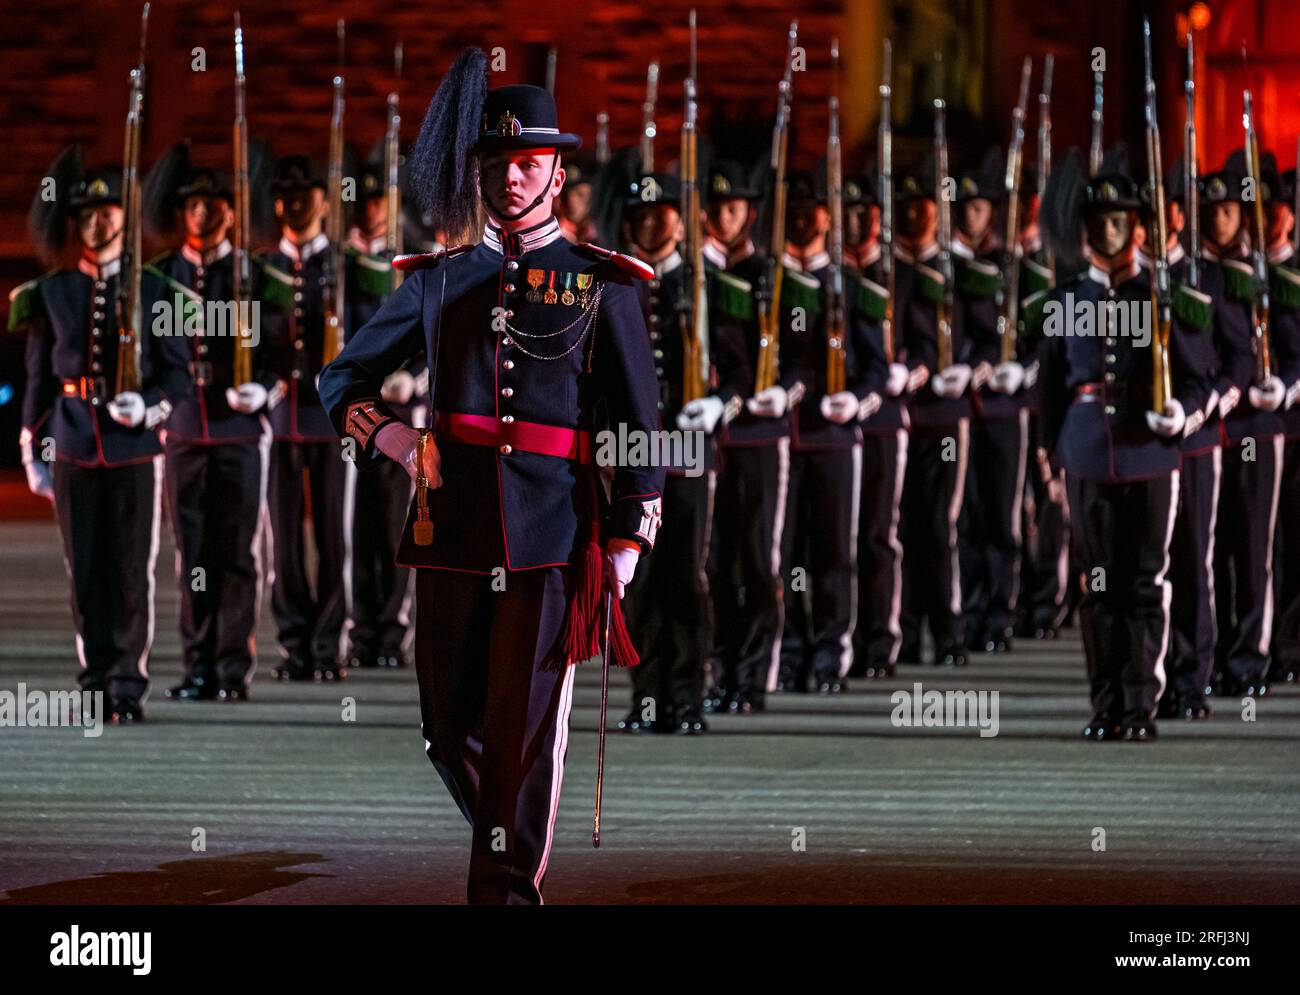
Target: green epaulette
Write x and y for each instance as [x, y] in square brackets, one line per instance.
[1284, 287]
[24, 300]
[192, 306]
[802, 291]
[1034, 276]
[1031, 313]
[732, 296]
[158, 259]
[1238, 279]
[977, 279]
[929, 283]
[1193, 308]
[871, 299]
[373, 274]
[277, 287]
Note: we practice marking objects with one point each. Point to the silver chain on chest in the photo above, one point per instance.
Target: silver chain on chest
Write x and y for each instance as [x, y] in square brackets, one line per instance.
[588, 315]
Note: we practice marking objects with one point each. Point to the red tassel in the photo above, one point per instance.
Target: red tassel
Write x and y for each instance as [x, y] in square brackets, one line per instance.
[621, 651]
[578, 640]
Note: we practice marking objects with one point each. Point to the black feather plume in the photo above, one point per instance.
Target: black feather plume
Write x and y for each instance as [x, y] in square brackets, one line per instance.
[1061, 215]
[158, 193]
[610, 192]
[1115, 161]
[261, 203]
[442, 174]
[47, 220]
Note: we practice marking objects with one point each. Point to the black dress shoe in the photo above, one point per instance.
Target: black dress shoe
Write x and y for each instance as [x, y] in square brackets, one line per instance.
[997, 644]
[1139, 732]
[126, 712]
[715, 700]
[1194, 710]
[746, 703]
[1046, 632]
[360, 657]
[880, 671]
[834, 685]
[953, 656]
[328, 670]
[1239, 687]
[233, 694]
[632, 722]
[192, 690]
[392, 659]
[690, 723]
[294, 668]
[1102, 729]
[1170, 706]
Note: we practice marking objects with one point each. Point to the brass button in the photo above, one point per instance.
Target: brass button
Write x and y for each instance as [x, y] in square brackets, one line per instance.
[506, 450]
[510, 288]
[507, 341]
[1110, 409]
[508, 314]
[507, 392]
[99, 300]
[96, 349]
[297, 344]
[1110, 377]
[297, 296]
[98, 315]
[508, 419]
[100, 285]
[95, 367]
[509, 364]
[511, 264]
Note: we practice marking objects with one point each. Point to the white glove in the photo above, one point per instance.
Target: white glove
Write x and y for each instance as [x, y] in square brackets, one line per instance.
[40, 478]
[981, 375]
[869, 406]
[771, 403]
[840, 407]
[1007, 378]
[1031, 374]
[917, 378]
[620, 566]
[952, 382]
[127, 409]
[399, 443]
[1228, 401]
[896, 383]
[702, 414]
[1170, 423]
[398, 387]
[247, 397]
[1270, 396]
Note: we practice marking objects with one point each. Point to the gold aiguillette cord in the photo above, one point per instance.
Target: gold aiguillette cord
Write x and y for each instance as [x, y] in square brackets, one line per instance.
[422, 528]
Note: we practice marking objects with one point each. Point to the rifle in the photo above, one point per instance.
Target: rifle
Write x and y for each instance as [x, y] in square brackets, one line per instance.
[885, 163]
[1161, 292]
[335, 279]
[943, 324]
[835, 355]
[602, 138]
[769, 289]
[128, 306]
[1045, 150]
[1191, 197]
[551, 59]
[648, 120]
[693, 312]
[392, 181]
[1259, 308]
[242, 279]
[1096, 151]
[1010, 289]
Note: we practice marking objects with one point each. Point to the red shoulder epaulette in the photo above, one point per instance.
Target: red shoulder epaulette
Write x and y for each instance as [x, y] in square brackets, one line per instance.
[628, 264]
[426, 260]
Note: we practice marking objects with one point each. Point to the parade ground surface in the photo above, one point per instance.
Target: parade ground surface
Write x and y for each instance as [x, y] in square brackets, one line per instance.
[817, 800]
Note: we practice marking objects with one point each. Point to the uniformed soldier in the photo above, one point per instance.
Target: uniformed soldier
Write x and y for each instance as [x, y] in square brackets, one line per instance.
[749, 606]
[820, 536]
[877, 636]
[380, 592]
[1252, 455]
[1120, 457]
[306, 463]
[217, 441]
[527, 335]
[91, 449]
[940, 411]
[667, 606]
[573, 206]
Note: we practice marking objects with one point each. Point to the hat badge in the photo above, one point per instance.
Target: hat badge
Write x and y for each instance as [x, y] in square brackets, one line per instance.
[508, 126]
[721, 184]
[1217, 189]
[1108, 193]
[851, 191]
[968, 186]
[97, 188]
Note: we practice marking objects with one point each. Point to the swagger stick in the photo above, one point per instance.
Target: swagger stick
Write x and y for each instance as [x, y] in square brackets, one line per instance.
[604, 704]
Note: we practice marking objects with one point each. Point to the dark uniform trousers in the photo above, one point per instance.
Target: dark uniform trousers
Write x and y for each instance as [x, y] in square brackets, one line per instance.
[665, 604]
[487, 706]
[1045, 556]
[1243, 559]
[990, 533]
[214, 497]
[380, 589]
[1192, 569]
[1121, 535]
[877, 635]
[933, 490]
[821, 536]
[749, 521]
[109, 520]
[1286, 627]
[309, 621]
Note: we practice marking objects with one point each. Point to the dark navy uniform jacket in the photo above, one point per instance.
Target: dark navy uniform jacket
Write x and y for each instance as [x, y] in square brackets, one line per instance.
[1245, 420]
[1284, 298]
[293, 335]
[869, 308]
[73, 335]
[923, 287]
[469, 312]
[1103, 435]
[201, 414]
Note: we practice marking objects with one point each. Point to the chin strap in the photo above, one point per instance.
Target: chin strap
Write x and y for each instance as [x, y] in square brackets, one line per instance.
[555, 161]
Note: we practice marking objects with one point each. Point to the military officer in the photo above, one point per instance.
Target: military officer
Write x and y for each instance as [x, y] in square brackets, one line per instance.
[526, 334]
[573, 206]
[89, 440]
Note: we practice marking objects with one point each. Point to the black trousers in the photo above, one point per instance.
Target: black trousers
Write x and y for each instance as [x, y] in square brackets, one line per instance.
[748, 605]
[1192, 572]
[309, 620]
[877, 635]
[495, 725]
[1045, 561]
[990, 528]
[1121, 536]
[1243, 558]
[214, 495]
[109, 518]
[1286, 626]
[666, 604]
[932, 497]
[820, 541]
[380, 589]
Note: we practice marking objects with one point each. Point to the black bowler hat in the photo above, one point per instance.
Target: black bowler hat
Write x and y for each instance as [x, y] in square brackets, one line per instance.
[1221, 187]
[522, 116]
[657, 188]
[297, 172]
[1111, 192]
[98, 186]
[580, 168]
[985, 181]
[727, 181]
[371, 181]
[859, 191]
[1288, 187]
[203, 182]
[804, 188]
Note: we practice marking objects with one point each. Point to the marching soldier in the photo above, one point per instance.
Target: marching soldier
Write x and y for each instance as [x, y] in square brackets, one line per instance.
[667, 605]
[822, 506]
[89, 440]
[217, 441]
[1120, 457]
[306, 463]
[380, 591]
[573, 206]
[526, 335]
[755, 456]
